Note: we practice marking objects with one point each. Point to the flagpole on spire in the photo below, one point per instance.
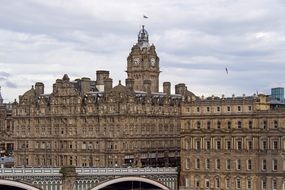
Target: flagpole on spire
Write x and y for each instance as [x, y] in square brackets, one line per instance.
[144, 17]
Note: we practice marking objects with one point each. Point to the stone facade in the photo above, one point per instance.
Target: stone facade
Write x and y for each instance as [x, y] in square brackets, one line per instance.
[232, 143]
[91, 123]
[6, 129]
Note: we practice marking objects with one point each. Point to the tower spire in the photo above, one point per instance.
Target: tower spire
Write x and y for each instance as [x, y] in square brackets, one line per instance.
[143, 38]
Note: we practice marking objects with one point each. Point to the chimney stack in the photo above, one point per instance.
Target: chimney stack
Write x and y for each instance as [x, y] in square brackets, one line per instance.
[101, 75]
[108, 84]
[40, 88]
[85, 85]
[180, 88]
[167, 88]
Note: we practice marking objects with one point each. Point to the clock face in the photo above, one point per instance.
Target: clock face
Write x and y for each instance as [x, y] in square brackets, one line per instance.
[136, 61]
[152, 61]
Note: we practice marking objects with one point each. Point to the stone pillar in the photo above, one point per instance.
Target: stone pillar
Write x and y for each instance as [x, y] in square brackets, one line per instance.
[68, 177]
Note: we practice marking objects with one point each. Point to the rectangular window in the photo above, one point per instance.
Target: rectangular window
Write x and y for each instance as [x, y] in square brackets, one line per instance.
[217, 183]
[207, 183]
[229, 108]
[228, 164]
[208, 145]
[275, 145]
[264, 145]
[274, 165]
[239, 125]
[228, 183]
[187, 164]
[274, 184]
[218, 108]
[249, 165]
[229, 145]
[238, 164]
[264, 165]
[207, 164]
[197, 164]
[218, 164]
[249, 145]
[218, 145]
[238, 183]
[239, 145]
[198, 145]
[218, 125]
[264, 124]
[263, 184]
[208, 125]
[250, 124]
[229, 125]
[249, 184]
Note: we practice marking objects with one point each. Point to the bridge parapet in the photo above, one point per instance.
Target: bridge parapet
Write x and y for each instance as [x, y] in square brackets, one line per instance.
[87, 178]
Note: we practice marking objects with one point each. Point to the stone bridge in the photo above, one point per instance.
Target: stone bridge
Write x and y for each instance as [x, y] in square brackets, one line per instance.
[86, 178]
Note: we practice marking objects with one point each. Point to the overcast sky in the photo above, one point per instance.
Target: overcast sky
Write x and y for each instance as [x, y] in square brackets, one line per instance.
[41, 40]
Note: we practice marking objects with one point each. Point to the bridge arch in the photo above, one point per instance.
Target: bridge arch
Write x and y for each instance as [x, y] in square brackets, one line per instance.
[17, 184]
[131, 178]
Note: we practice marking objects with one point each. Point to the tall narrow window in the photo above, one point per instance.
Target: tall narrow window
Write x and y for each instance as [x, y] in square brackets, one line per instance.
[274, 184]
[207, 164]
[249, 164]
[218, 164]
[218, 145]
[238, 183]
[249, 184]
[239, 125]
[238, 164]
[229, 145]
[275, 145]
[207, 183]
[197, 163]
[198, 145]
[249, 145]
[187, 164]
[229, 125]
[217, 183]
[264, 167]
[209, 125]
[239, 145]
[208, 145]
[263, 184]
[228, 182]
[218, 125]
[198, 125]
[228, 164]
[274, 165]
[250, 124]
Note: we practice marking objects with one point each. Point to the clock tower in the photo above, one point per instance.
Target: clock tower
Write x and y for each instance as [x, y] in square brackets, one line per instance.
[143, 63]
